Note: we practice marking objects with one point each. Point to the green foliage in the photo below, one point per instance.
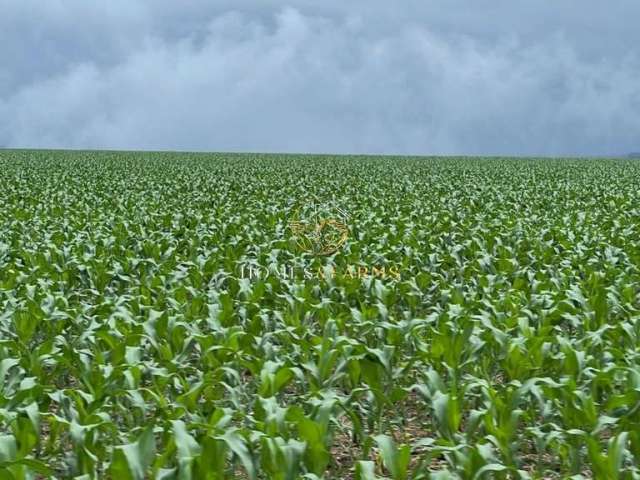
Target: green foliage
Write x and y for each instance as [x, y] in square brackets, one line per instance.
[135, 345]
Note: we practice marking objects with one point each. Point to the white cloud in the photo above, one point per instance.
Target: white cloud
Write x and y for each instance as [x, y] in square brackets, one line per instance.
[328, 81]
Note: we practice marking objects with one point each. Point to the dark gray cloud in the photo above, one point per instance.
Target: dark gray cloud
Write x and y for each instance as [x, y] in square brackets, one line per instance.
[456, 77]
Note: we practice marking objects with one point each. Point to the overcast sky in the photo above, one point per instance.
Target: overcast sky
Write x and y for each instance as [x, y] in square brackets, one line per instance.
[359, 76]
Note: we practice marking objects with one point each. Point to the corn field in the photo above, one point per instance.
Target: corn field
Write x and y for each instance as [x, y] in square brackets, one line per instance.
[473, 318]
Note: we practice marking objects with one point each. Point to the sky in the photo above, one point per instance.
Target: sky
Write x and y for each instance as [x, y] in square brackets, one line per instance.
[474, 77]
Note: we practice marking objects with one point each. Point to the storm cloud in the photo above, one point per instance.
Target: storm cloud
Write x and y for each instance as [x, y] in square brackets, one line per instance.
[415, 77]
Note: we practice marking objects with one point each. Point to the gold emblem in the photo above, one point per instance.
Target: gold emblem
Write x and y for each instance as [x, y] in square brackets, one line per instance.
[320, 231]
